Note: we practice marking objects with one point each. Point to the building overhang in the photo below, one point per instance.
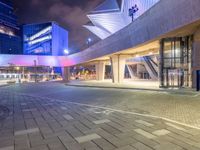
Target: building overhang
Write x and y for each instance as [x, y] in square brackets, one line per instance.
[165, 19]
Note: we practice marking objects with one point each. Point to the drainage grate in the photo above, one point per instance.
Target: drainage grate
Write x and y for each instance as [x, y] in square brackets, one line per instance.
[4, 112]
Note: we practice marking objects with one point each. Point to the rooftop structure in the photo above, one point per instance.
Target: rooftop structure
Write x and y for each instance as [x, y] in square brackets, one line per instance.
[113, 15]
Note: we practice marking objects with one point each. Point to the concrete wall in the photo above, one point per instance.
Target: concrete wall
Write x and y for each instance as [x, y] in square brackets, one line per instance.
[195, 56]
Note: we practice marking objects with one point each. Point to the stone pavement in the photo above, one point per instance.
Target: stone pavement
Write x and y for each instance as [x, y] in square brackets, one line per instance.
[2, 83]
[178, 105]
[39, 123]
[127, 84]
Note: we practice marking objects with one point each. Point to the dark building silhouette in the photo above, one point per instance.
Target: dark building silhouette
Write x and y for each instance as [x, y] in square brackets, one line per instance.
[10, 40]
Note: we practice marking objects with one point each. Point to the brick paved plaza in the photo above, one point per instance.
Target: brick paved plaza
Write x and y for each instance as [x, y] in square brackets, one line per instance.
[53, 116]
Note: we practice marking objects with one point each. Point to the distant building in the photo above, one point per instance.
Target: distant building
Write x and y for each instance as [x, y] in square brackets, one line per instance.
[45, 39]
[10, 41]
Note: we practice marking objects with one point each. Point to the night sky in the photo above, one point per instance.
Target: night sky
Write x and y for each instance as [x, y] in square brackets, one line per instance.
[71, 14]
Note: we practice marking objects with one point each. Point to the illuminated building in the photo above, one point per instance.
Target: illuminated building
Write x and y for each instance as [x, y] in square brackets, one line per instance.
[45, 39]
[10, 41]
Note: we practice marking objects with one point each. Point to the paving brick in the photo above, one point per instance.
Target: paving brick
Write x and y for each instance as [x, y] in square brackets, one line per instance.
[89, 146]
[68, 117]
[73, 146]
[56, 146]
[66, 138]
[126, 148]
[145, 134]
[101, 121]
[81, 127]
[63, 108]
[43, 147]
[144, 123]
[73, 131]
[28, 110]
[118, 142]
[22, 132]
[168, 146]
[87, 138]
[161, 132]
[6, 142]
[104, 144]
[7, 148]
[141, 146]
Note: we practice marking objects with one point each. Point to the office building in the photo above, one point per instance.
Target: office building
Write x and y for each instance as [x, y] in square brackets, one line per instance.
[10, 41]
[45, 39]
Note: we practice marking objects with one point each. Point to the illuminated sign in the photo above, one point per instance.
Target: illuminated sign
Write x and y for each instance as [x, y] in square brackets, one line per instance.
[40, 40]
[44, 31]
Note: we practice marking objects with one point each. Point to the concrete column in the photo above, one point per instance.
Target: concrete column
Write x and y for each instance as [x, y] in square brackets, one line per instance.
[161, 64]
[100, 70]
[66, 74]
[195, 57]
[118, 63]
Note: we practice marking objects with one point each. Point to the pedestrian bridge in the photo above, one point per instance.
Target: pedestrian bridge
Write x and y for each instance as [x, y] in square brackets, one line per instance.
[29, 60]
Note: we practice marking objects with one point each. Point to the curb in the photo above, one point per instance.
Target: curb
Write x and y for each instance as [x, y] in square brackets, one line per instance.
[4, 85]
[138, 89]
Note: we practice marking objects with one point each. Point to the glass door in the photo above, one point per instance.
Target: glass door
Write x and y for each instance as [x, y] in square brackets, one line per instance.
[174, 78]
[175, 62]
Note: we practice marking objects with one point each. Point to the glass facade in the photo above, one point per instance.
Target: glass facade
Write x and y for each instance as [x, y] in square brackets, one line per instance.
[37, 39]
[10, 44]
[10, 41]
[175, 62]
[7, 16]
[44, 39]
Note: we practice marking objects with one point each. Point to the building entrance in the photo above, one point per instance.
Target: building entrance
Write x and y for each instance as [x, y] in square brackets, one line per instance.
[174, 78]
[175, 62]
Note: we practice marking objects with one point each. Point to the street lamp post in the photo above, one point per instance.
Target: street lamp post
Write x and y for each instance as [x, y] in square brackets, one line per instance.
[132, 11]
[35, 70]
[23, 72]
[89, 40]
[66, 51]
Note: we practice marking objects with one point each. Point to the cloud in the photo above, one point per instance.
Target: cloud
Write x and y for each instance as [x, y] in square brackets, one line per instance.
[71, 16]
[35, 2]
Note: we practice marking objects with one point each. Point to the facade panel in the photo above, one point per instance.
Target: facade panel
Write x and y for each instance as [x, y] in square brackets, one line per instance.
[59, 40]
[10, 44]
[44, 39]
[37, 39]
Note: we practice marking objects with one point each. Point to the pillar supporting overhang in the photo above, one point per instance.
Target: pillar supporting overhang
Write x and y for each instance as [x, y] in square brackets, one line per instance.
[118, 63]
[100, 70]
